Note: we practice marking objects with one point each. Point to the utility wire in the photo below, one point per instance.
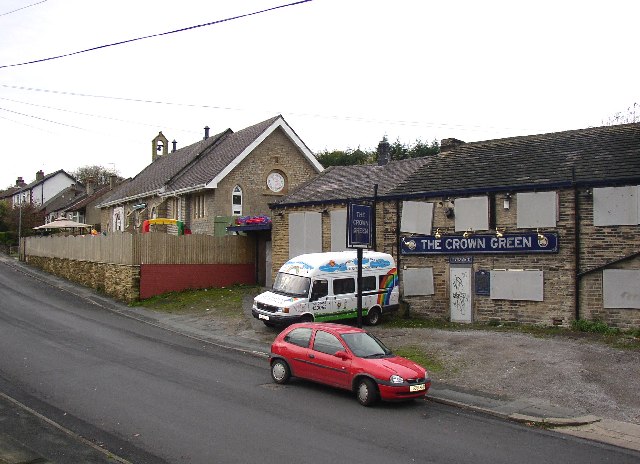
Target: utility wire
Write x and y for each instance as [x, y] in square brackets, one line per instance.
[41, 119]
[22, 8]
[246, 15]
[350, 118]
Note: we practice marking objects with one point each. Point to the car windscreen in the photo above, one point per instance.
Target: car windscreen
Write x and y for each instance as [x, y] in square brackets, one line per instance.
[292, 285]
[365, 345]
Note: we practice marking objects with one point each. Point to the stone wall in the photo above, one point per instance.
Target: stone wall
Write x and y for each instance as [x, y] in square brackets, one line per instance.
[115, 280]
[598, 246]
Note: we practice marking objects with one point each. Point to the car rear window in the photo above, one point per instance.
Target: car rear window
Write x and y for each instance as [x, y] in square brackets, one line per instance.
[299, 337]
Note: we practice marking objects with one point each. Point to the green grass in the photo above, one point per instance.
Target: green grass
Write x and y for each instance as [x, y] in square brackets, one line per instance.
[417, 355]
[226, 301]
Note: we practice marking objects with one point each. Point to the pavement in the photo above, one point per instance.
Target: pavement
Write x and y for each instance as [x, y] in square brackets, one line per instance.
[28, 437]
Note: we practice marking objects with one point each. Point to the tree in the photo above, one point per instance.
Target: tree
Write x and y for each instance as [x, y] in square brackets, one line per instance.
[632, 114]
[348, 157]
[100, 174]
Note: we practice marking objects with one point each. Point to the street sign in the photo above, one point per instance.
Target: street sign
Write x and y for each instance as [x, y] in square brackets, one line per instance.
[359, 225]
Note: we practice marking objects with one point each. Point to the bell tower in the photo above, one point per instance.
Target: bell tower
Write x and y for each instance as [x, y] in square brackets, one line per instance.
[159, 146]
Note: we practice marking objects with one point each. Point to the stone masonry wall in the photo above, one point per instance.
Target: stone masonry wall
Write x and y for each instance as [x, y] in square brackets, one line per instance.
[118, 281]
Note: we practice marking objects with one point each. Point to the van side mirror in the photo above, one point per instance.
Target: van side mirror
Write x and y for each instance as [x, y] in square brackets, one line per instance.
[342, 355]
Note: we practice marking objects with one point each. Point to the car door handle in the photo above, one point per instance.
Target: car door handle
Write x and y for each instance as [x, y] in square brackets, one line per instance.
[311, 356]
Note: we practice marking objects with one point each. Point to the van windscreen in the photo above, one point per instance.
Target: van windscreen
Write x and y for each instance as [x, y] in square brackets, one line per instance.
[292, 285]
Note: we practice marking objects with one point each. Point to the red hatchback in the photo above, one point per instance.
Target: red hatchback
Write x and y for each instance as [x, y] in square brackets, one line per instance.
[346, 357]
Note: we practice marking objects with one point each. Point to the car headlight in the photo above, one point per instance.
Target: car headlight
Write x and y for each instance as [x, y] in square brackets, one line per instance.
[396, 379]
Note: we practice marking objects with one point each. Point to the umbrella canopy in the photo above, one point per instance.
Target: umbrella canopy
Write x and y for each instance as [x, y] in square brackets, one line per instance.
[62, 223]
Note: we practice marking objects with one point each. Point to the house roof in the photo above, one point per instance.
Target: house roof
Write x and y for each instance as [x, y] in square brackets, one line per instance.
[82, 202]
[341, 183]
[594, 156]
[63, 199]
[44, 179]
[203, 164]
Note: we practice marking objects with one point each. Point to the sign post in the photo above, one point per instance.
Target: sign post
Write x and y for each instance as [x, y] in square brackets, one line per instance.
[359, 228]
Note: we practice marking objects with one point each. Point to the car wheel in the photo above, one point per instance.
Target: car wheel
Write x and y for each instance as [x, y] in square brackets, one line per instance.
[366, 392]
[373, 316]
[280, 372]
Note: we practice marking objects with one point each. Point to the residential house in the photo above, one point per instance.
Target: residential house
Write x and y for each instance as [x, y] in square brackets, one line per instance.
[208, 184]
[56, 207]
[540, 229]
[43, 189]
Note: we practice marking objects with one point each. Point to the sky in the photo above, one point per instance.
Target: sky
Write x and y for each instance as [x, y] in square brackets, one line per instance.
[343, 73]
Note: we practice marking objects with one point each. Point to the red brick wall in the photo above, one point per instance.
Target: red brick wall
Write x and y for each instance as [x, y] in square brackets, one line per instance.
[156, 279]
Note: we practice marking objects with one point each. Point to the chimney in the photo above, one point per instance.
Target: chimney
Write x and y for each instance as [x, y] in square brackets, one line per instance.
[174, 143]
[20, 182]
[206, 132]
[384, 149]
[91, 185]
[39, 175]
[112, 181]
[449, 144]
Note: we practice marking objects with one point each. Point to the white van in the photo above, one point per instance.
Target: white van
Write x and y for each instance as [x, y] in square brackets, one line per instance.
[322, 287]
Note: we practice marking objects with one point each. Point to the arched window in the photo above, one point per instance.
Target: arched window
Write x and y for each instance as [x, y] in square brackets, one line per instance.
[236, 201]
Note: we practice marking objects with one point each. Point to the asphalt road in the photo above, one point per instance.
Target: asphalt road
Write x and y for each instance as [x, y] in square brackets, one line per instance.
[152, 396]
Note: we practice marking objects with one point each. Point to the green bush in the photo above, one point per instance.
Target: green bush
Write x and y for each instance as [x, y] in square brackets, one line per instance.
[7, 238]
[595, 326]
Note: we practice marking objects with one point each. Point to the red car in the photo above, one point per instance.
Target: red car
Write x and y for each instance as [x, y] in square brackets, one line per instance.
[346, 357]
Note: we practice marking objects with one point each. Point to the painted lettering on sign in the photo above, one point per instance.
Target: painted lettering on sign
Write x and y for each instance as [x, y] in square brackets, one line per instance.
[512, 243]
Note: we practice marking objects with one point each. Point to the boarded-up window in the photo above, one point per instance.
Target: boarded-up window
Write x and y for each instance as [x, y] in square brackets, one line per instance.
[472, 213]
[621, 288]
[417, 217]
[305, 233]
[615, 206]
[537, 209]
[338, 230]
[418, 281]
[527, 285]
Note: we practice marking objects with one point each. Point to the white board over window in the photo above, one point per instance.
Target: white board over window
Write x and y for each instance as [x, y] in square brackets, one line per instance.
[338, 230]
[418, 281]
[417, 217]
[615, 206]
[305, 233]
[537, 209]
[621, 288]
[472, 213]
[521, 285]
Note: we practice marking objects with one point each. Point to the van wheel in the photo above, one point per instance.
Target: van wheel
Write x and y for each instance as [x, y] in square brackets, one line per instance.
[366, 392]
[373, 316]
[306, 318]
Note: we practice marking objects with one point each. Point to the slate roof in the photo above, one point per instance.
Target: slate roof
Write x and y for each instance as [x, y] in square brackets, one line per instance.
[63, 199]
[599, 156]
[342, 183]
[156, 175]
[46, 177]
[82, 202]
[197, 166]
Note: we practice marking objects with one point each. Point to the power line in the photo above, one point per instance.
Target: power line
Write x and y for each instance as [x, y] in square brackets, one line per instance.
[246, 15]
[22, 8]
[349, 118]
[41, 119]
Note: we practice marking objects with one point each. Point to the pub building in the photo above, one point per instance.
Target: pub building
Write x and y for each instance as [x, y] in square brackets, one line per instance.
[540, 229]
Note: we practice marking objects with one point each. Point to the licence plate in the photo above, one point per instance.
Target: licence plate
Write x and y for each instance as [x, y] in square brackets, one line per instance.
[266, 318]
[416, 388]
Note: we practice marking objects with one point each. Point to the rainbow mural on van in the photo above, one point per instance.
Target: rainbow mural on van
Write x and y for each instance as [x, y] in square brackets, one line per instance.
[387, 282]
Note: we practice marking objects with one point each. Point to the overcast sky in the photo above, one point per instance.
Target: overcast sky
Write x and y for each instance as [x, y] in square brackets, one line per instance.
[343, 73]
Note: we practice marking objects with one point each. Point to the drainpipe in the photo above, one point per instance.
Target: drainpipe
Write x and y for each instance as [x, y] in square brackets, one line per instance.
[576, 240]
[375, 204]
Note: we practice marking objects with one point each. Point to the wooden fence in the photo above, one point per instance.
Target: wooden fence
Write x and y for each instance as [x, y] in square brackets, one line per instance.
[152, 248]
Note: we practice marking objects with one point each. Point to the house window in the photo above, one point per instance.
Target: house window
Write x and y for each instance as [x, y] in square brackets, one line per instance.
[338, 229]
[472, 213]
[236, 201]
[616, 206]
[198, 206]
[537, 209]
